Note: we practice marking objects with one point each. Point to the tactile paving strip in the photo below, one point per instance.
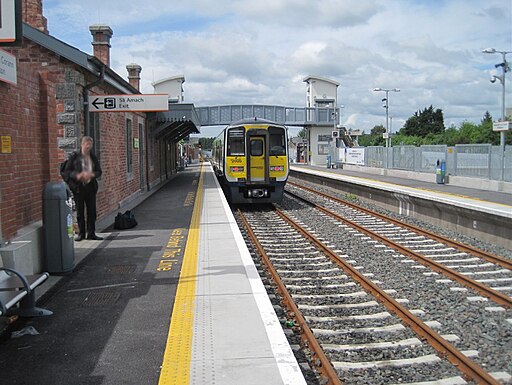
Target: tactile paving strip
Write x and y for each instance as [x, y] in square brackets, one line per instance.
[202, 345]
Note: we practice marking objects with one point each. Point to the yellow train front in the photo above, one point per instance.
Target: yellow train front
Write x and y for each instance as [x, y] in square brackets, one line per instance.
[250, 158]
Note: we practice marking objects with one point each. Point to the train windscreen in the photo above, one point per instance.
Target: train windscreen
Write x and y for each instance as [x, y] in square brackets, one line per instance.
[236, 142]
[277, 140]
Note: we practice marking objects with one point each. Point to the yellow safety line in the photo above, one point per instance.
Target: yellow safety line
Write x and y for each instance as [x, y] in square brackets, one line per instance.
[178, 350]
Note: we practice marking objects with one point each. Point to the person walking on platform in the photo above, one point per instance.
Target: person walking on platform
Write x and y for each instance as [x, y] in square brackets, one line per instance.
[81, 173]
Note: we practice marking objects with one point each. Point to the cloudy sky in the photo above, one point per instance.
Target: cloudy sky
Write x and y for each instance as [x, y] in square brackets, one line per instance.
[259, 51]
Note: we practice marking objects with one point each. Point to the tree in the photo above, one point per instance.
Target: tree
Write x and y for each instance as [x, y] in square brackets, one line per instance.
[487, 118]
[374, 138]
[422, 123]
[206, 143]
[378, 130]
[302, 133]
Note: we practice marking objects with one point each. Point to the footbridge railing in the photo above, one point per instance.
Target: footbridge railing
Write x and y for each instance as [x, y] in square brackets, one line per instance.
[290, 116]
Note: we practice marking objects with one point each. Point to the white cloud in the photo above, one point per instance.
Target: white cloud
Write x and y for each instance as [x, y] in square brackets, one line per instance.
[234, 52]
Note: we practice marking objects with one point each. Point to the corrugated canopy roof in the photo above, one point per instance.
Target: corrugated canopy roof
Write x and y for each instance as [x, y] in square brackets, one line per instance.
[180, 121]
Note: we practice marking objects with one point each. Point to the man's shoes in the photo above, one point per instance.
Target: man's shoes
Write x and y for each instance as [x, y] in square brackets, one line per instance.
[79, 237]
[94, 237]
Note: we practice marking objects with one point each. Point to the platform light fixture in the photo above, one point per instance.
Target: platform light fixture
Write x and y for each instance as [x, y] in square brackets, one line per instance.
[504, 68]
[386, 106]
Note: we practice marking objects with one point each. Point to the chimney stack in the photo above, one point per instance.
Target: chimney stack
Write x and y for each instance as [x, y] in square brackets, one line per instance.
[101, 35]
[32, 14]
[134, 75]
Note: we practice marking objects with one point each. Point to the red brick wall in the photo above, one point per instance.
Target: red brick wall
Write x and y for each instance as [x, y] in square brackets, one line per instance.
[29, 114]
[24, 172]
[115, 184]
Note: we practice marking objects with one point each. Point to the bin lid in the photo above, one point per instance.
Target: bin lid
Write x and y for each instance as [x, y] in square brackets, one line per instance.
[55, 190]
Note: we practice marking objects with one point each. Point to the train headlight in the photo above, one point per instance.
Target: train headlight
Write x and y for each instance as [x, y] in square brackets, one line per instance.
[236, 169]
[276, 168]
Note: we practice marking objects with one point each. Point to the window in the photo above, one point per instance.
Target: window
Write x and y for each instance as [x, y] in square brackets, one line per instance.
[236, 142]
[256, 147]
[324, 138]
[129, 155]
[323, 149]
[151, 144]
[277, 143]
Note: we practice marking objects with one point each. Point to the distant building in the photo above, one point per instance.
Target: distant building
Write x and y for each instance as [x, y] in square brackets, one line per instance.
[322, 93]
[172, 86]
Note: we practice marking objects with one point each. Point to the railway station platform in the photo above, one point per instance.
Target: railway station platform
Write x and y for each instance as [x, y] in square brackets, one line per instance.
[174, 300]
[478, 211]
[473, 189]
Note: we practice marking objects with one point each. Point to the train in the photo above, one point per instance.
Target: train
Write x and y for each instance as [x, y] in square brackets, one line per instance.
[250, 159]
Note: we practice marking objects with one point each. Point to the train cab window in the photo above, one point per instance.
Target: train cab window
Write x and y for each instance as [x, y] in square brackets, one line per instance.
[256, 147]
[277, 141]
[236, 142]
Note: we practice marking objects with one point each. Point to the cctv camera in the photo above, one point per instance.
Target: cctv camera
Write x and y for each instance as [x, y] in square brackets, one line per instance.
[492, 80]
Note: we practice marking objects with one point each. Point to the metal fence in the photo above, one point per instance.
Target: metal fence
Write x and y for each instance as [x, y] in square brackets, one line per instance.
[471, 160]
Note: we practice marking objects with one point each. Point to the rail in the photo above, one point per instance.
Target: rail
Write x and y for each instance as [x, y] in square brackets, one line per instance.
[467, 366]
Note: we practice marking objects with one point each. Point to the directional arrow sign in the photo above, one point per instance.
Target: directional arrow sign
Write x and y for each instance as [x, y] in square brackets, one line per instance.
[135, 103]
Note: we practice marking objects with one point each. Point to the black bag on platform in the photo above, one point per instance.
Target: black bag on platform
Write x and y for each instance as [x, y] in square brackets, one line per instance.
[125, 221]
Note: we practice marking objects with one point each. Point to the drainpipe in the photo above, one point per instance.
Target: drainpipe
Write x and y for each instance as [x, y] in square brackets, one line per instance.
[149, 126]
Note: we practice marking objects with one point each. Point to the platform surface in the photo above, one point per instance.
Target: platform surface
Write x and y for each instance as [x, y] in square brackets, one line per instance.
[177, 297]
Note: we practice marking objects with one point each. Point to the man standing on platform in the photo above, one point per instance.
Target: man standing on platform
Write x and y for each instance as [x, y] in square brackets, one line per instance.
[81, 173]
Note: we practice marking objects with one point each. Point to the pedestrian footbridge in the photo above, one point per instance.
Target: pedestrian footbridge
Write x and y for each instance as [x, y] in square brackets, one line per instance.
[290, 116]
[183, 119]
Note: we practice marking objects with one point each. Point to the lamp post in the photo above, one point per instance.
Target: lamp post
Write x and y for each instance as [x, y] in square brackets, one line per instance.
[386, 106]
[505, 68]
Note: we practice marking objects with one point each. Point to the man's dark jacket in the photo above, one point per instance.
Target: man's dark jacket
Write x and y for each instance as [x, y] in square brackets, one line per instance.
[74, 167]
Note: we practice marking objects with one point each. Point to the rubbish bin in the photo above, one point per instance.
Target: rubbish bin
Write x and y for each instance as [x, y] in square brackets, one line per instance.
[328, 161]
[58, 228]
[440, 171]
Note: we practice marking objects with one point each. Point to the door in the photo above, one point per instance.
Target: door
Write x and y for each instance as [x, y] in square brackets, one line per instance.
[257, 159]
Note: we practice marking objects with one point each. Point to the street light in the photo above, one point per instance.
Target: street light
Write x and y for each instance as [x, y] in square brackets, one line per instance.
[505, 68]
[386, 106]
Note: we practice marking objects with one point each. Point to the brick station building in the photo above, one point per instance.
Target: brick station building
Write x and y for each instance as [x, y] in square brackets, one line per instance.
[46, 113]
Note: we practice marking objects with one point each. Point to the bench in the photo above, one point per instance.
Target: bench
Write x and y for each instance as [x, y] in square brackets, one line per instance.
[15, 288]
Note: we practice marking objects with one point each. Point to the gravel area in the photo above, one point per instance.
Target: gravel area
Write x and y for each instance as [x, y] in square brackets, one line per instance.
[330, 301]
[475, 242]
[482, 329]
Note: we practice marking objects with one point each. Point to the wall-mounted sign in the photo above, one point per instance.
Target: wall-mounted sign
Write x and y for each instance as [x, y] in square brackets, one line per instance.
[501, 126]
[10, 22]
[7, 67]
[6, 144]
[135, 142]
[134, 103]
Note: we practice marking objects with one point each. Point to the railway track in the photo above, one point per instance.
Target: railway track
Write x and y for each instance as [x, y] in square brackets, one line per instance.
[445, 256]
[490, 257]
[373, 328]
